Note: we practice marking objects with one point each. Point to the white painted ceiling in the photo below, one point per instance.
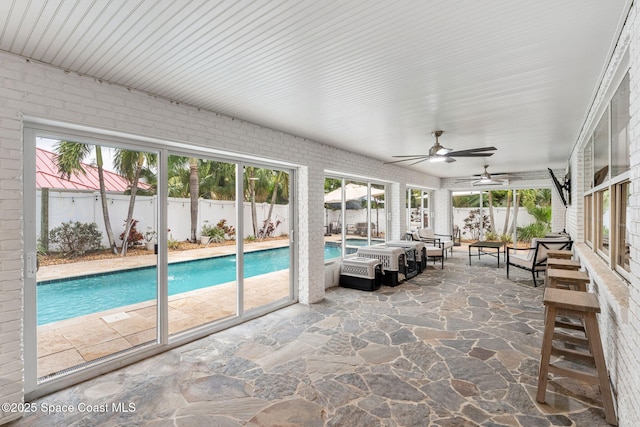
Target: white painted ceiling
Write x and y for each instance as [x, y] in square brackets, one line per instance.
[372, 77]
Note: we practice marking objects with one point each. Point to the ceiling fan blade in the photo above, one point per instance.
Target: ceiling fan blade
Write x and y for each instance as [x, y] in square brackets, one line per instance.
[503, 174]
[407, 160]
[419, 161]
[464, 154]
[472, 150]
[413, 155]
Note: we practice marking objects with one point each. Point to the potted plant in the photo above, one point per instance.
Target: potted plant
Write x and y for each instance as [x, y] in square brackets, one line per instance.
[205, 232]
[150, 238]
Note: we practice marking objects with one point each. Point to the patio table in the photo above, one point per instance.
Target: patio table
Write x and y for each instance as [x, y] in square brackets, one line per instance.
[488, 245]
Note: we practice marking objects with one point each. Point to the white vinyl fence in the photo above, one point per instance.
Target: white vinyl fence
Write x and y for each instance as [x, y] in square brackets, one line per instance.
[85, 207]
[499, 215]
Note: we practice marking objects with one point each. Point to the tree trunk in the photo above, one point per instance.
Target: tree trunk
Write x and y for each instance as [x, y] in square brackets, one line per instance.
[506, 218]
[274, 197]
[194, 189]
[491, 221]
[515, 214]
[132, 202]
[44, 220]
[105, 206]
[254, 212]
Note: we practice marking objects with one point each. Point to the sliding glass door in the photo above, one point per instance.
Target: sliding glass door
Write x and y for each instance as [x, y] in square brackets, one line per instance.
[96, 284]
[132, 246]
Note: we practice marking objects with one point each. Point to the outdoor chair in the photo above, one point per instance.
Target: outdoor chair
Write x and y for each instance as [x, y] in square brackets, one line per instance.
[444, 240]
[535, 258]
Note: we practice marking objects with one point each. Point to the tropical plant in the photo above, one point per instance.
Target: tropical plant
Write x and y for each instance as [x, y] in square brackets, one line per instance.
[229, 230]
[172, 243]
[534, 230]
[474, 223]
[134, 236]
[129, 164]
[491, 235]
[281, 180]
[268, 228]
[256, 189]
[75, 238]
[150, 236]
[69, 158]
[506, 238]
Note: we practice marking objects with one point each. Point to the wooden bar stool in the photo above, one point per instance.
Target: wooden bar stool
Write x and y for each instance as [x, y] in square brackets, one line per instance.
[567, 279]
[555, 253]
[560, 264]
[584, 305]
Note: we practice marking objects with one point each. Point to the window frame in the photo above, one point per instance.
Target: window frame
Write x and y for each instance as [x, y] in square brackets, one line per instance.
[594, 192]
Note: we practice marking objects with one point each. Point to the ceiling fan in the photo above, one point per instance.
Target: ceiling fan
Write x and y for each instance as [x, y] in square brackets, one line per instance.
[485, 178]
[438, 153]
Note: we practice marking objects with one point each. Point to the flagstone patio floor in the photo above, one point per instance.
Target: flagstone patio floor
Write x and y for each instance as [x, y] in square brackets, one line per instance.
[457, 346]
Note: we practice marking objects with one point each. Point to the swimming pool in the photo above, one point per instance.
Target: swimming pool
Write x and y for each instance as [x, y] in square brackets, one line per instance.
[68, 298]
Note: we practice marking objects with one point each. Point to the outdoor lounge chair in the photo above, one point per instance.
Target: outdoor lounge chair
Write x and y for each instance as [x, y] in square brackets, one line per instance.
[535, 258]
[444, 240]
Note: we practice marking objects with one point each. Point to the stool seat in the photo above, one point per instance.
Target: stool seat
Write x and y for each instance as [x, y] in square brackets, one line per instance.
[585, 306]
[563, 263]
[584, 302]
[571, 279]
[559, 253]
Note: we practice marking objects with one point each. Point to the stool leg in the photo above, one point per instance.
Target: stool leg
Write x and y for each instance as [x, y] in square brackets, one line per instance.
[545, 353]
[593, 334]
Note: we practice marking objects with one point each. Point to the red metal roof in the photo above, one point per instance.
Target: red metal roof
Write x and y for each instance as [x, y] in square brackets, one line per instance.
[47, 176]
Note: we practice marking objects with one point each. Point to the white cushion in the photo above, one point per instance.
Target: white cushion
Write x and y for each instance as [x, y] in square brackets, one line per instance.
[426, 233]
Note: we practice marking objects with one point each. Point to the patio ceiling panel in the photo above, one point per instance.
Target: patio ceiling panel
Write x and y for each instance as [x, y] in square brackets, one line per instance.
[372, 77]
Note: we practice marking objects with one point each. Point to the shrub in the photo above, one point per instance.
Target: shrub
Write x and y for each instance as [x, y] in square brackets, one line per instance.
[491, 235]
[75, 238]
[267, 230]
[172, 243]
[229, 230]
[134, 235]
[506, 238]
[215, 233]
[474, 222]
[534, 230]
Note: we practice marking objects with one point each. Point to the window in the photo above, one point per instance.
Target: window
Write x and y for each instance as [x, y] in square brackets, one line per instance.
[601, 150]
[603, 209]
[588, 235]
[622, 249]
[620, 159]
[355, 215]
[417, 209]
[606, 170]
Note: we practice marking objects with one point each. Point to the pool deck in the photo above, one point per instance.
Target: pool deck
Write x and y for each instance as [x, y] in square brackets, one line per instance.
[72, 342]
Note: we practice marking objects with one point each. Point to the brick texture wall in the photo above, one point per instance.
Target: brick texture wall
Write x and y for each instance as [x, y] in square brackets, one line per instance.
[619, 301]
[34, 90]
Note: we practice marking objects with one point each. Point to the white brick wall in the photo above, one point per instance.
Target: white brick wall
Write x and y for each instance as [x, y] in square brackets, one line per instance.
[619, 301]
[35, 90]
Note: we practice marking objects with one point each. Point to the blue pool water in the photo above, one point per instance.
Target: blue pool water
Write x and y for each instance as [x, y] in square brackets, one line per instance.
[64, 299]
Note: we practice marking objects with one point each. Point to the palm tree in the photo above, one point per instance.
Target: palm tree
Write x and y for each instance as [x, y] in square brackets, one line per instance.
[130, 164]
[69, 157]
[184, 181]
[194, 195]
[256, 187]
[281, 180]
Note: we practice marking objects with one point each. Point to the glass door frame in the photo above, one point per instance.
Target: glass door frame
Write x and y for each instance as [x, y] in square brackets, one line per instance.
[34, 128]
